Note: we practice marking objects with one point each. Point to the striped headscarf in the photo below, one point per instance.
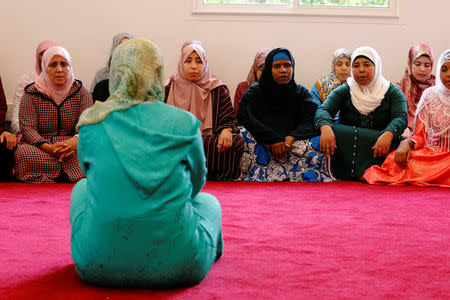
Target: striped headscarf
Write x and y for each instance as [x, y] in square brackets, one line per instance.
[328, 83]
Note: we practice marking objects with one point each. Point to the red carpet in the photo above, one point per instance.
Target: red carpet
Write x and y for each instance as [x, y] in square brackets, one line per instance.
[339, 240]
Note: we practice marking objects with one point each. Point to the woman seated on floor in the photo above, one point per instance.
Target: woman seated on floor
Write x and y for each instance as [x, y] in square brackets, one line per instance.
[195, 89]
[139, 219]
[424, 158]
[7, 141]
[252, 77]
[100, 84]
[276, 116]
[372, 116]
[340, 71]
[25, 80]
[416, 79]
[49, 111]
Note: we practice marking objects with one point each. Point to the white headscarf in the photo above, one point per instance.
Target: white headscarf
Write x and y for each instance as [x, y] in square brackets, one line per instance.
[367, 98]
[442, 90]
[433, 111]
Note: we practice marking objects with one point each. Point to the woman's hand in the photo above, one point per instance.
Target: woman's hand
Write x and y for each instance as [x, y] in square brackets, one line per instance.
[327, 140]
[49, 148]
[278, 150]
[288, 141]
[403, 153]
[64, 150]
[225, 140]
[381, 147]
[10, 139]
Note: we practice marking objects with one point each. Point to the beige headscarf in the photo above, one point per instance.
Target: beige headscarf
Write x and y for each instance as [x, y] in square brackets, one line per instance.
[194, 97]
[136, 77]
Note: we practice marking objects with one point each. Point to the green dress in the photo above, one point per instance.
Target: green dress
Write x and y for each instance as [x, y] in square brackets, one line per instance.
[138, 218]
[356, 133]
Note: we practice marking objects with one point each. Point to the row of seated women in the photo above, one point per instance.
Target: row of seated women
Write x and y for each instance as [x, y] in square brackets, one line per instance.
[134, 148]
[138, 217]
[278, 138]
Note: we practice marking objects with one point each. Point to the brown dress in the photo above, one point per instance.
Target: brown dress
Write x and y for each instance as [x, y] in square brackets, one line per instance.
[221, 165]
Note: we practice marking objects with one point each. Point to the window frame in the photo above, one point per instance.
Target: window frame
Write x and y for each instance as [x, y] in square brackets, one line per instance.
[198, 9]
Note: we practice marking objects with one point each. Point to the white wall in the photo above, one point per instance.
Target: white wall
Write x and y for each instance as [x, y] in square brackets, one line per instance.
[86, 27]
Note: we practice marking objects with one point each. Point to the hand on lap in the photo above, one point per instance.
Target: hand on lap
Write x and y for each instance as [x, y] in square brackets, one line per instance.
[225, 140]
[382, 145]
[327, 140]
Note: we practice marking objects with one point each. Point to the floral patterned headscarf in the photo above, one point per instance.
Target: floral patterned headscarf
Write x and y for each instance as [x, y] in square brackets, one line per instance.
[136, 77]
[328, 83]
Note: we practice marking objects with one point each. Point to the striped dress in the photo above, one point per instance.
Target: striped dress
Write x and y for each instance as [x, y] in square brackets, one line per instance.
[222, 165]
[42, 121]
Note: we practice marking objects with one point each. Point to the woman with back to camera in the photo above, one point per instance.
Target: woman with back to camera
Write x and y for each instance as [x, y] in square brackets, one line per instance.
[139, 218]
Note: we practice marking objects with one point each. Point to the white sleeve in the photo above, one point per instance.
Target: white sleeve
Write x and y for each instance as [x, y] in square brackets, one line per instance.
[21, 84]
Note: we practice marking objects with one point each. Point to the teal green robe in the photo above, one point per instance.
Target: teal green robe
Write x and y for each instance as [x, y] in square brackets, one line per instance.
[356, 133]
[138, 218]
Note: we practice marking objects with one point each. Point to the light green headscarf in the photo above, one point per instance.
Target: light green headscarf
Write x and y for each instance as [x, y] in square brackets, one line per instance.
[136, 77]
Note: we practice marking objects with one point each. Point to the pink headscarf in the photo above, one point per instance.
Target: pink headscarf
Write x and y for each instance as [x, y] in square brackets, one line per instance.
[187, 43]
[194, 97]
[44, 45]
[43, 82]
[411, 87]
[259, 60]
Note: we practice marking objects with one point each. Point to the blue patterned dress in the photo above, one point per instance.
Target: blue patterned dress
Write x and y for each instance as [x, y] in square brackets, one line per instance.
[304, 162]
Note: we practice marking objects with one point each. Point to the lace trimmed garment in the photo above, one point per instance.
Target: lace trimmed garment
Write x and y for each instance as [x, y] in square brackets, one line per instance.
[430, 159]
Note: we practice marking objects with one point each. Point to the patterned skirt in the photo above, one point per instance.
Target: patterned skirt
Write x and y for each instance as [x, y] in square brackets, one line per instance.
[303, 163]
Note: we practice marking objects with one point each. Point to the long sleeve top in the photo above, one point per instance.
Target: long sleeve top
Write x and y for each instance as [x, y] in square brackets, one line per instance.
[41, 120]
[391, 115]
[23, 81]
[271, 122]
